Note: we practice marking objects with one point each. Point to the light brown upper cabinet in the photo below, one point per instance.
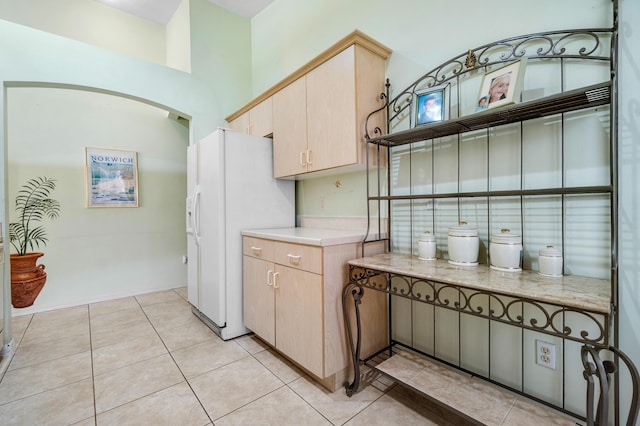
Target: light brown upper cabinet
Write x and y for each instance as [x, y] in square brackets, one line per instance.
[241, 123]
[319, 112]
[333, 128]
[290, 154]
[257, 121]
[318, 120]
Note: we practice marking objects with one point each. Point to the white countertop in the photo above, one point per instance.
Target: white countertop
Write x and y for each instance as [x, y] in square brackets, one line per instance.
[309, 236]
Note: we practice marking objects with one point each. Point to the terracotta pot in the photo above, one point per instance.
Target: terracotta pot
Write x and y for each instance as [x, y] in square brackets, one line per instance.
[27, 279]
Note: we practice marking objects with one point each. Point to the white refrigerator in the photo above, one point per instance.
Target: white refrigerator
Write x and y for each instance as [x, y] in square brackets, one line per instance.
[230, 187]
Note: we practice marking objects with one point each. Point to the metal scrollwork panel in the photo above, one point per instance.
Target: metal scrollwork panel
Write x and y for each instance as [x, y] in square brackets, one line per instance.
[400, 285]
[590, 44]
[368, 278]
[586, 327]
[564, 322]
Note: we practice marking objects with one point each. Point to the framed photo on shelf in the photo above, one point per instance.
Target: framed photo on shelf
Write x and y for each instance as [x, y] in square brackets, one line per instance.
[429, 106]
[501, 86]
[112, 178]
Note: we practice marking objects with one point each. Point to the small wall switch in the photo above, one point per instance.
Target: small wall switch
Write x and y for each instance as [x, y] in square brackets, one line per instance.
[185, 259]
[546, 354]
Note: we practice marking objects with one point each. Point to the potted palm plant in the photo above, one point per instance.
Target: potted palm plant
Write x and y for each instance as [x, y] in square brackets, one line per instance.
[33, 204]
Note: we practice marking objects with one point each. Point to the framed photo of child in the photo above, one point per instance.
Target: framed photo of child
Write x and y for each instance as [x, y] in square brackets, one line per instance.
[501, 86]
[429, 106]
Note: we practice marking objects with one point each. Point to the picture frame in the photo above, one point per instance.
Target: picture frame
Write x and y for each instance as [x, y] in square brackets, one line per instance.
[112, 177]
[501, 86]
[429, 105]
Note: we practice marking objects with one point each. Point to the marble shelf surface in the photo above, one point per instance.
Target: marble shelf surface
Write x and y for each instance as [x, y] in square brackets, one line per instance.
[572, 291]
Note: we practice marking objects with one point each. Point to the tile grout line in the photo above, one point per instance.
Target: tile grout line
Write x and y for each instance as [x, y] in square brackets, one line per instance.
[388, 388]
[93, 381]
[287, 385]
[384, 388]
[249, 354]
[168, 352]
[308, 403]
[252, 355]
[31, 365]
[93, 372]
[5, 364]
[16, 346]
[173, 359]
[249, 402]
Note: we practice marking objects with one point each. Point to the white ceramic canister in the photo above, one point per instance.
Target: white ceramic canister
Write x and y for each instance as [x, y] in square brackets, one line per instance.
[463, 245]
[550, 262]
[505, 251]
[427, 246]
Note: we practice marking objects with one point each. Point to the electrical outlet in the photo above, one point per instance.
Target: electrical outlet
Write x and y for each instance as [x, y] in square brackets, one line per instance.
[546, 354]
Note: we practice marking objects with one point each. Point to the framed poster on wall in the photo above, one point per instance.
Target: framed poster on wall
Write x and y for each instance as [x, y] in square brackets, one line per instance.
[112, 178]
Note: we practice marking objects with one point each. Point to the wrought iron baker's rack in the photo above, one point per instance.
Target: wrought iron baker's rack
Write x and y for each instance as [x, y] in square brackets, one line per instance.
[567, 45]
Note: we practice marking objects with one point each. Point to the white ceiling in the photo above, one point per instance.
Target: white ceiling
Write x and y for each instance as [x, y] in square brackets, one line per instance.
[161, 11]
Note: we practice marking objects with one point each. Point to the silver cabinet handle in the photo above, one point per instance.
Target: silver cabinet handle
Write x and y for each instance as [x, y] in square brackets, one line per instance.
[270, 277]
[294, 259]
[275, 280]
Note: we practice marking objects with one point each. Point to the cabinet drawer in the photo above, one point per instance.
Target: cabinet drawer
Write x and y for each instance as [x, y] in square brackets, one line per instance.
[306, 258]
[258, 248]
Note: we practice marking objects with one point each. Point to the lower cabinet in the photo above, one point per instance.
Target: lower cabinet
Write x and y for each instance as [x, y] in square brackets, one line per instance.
[299, 317]
[293, 301]
[259, 316]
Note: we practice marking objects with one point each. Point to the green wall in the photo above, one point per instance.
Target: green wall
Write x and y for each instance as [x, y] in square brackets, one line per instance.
[100, 253]
[220, 57]
[422, 35]
[91, 22]
[34, 59]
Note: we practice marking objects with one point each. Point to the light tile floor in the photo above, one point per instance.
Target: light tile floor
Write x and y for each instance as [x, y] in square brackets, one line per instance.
[147, 360]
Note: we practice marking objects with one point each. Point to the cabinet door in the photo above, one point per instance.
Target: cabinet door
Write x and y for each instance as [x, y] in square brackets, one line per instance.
[258, 298]
[241, 124]
[299, 317]
[290, 130]
[261, 118]
[331, 113]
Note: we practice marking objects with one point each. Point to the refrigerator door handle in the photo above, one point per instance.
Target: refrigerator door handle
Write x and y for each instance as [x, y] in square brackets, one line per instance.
[196, 215]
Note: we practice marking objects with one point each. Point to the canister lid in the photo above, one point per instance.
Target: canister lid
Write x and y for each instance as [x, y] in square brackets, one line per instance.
[506, 237]
[550, 251]
[427, 236]
[463, 230]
